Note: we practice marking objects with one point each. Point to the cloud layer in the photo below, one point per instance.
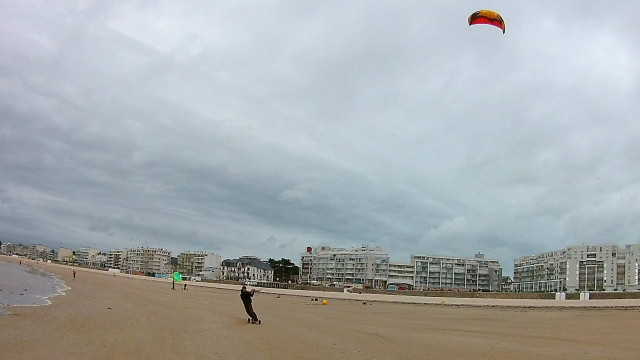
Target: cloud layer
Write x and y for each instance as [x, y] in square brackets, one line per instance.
[263, 128]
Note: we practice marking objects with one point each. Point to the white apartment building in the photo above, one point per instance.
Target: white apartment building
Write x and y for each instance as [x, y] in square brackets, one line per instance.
[632, 255]
[114, 259]
[306, 260]
[146, 260]
[401, 274]
[457, 273]
[579, 268]
[359, 266]
[546, 272]
[595, 268]
[194, 262]
[86, 256]
[246, 268]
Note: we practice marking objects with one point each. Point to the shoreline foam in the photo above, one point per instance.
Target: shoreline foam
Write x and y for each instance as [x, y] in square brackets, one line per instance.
[39, 286]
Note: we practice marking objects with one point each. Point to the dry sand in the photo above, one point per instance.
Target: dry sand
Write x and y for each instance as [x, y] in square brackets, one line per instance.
[104, 316]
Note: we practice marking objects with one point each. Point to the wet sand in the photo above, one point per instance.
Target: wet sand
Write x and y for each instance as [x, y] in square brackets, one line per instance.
[104, 316]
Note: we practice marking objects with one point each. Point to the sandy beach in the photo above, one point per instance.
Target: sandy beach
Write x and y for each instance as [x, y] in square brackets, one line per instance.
[103, 316]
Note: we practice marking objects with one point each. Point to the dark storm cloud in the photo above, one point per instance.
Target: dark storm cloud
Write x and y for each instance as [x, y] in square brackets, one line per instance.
[266, 127]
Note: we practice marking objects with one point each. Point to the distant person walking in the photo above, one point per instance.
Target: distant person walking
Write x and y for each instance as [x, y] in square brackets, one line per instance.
[74, 275]
[246, 296]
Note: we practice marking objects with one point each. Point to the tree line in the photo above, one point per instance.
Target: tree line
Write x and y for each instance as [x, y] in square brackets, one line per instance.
[283, 269]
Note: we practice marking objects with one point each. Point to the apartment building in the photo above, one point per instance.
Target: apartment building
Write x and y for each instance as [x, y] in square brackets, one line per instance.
[579, 268]
[595, 268]
[39, 252]
[401, 275]
[632, 255]
[367, 266]
[146, 260]
[194, 262]
[86, 256]
[14, 249]
[306, 260]
[114, 259]
[457, 273]
[546, 272]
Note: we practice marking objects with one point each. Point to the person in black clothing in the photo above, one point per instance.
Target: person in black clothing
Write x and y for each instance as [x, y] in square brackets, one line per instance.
[246, 296]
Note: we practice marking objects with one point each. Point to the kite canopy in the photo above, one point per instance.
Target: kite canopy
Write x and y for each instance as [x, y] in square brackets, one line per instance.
[177, 277]
[487, 17]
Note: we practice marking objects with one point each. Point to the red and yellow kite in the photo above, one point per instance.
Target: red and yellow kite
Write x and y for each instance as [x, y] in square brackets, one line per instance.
[487, 17]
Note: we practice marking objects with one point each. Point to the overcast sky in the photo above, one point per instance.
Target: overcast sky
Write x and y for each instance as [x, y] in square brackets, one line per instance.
[264, 127]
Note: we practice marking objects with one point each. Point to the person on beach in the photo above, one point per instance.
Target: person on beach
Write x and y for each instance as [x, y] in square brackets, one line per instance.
[74, 274]
[246, 296]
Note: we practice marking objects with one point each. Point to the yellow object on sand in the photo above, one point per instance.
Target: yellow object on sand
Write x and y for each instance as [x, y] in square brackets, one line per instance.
[324, 302]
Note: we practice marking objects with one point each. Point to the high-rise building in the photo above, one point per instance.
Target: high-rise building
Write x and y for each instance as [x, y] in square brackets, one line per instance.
[367, 266]
[579, 268]
[595, 268]
[194, 262]
[402, 275]
[114, 259]
[86, 256]
[632, 255]
[457, 273]
[306, 260]
[146, 260]
[39, 252]
[546, 272]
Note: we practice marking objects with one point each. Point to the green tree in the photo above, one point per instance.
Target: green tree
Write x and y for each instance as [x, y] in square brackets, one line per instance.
[283, 269]
[274, 265]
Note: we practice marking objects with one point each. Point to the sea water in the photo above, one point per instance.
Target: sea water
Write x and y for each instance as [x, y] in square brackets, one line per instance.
[23, 285]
